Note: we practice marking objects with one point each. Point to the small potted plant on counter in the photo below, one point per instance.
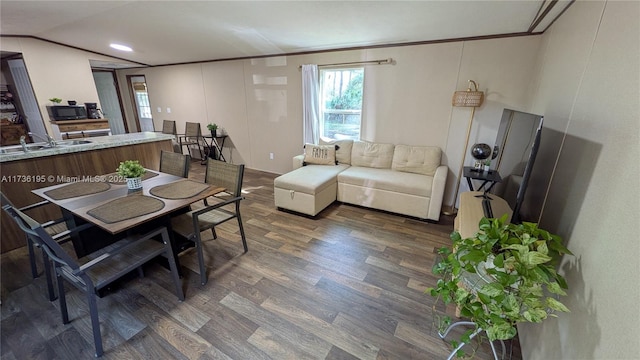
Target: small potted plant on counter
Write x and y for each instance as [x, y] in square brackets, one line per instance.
[213, 127]
[55, 100]
[504, 275]
[132, 171]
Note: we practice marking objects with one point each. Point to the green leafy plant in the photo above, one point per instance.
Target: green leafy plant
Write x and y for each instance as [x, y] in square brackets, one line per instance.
[130, 169]
[55, 100]
[504, 275]
[212, 127]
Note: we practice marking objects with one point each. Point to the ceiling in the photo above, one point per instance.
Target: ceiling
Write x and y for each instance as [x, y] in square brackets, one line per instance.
[171, 32]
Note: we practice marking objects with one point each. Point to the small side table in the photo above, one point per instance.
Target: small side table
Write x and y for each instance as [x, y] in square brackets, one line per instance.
[489, 178]
[215, 145]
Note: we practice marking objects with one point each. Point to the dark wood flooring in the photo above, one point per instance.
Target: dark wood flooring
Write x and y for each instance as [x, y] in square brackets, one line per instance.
[348, 284]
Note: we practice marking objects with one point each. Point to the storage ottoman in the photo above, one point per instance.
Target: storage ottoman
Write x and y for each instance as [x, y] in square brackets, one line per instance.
[308, 189]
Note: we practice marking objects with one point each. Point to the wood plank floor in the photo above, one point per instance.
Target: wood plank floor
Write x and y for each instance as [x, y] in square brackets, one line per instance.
[348, 284]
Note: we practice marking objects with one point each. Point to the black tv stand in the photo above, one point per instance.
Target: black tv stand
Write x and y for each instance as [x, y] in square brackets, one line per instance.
[489, 179]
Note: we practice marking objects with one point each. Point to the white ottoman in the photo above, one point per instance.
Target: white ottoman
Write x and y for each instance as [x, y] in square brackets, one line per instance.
[308, 189]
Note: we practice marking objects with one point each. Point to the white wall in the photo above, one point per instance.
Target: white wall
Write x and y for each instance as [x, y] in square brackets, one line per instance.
[259, 103]
[588, 89]
[55, 71]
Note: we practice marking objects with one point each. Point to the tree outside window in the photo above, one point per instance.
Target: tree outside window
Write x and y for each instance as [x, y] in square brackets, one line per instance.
[341, 103]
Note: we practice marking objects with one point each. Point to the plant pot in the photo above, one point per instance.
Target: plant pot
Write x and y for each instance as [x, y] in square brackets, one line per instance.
[134, 183]
[213, 133]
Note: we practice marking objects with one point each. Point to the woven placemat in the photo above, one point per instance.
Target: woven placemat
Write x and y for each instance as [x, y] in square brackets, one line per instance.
[179, 190]
[114, 178]
[125, 208]
[75, 189]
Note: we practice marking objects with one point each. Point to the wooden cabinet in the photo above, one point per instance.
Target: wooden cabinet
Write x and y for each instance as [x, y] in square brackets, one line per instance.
[471, 211]
[69, 129]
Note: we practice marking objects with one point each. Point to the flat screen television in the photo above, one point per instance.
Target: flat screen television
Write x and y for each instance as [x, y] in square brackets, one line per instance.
[517, 146]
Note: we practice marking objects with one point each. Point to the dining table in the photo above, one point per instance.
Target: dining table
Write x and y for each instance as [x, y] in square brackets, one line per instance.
[116, 211]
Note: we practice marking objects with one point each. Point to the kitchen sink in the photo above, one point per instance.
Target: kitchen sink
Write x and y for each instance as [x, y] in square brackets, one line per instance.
[10, 150]
[72, 142]
[19, 149]
[41, 146]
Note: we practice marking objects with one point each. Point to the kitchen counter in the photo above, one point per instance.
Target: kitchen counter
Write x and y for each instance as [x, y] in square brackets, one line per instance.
[23, 172]
[96, 143]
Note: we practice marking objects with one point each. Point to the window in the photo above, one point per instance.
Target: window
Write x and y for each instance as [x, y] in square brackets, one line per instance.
[341, 103]
[143, 104]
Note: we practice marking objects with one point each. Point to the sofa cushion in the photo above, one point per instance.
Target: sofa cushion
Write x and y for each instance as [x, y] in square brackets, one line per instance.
[319, 154]
[387, 179]
[416, 159]
[372, 155]
[309, 179]
[343, 151]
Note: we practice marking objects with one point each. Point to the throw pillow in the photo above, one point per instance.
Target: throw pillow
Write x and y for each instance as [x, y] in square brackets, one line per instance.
[319, 155]
[343, 149]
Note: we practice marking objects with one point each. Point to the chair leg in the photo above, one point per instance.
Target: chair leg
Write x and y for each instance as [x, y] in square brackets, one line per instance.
[213, 232]
[200, 250]
[95, 322]
[173, 266]
[32, 258]
[48, 276]
[62, 298]
[244, 239]
[200, 151]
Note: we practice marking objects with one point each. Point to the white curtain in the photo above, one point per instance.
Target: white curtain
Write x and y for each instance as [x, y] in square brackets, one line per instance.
[310, 105]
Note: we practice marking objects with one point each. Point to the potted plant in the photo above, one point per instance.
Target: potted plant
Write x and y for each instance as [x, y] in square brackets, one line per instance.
[504, 275]
[213, 127]
[132, 171]
[55, 100]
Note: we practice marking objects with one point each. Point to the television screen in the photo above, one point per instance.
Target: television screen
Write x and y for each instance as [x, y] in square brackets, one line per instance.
[517, 145]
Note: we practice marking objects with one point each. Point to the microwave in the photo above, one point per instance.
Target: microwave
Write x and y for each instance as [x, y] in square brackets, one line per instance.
[66, 112]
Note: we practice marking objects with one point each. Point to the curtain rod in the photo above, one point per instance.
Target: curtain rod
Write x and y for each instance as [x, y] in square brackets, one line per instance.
[374, 62]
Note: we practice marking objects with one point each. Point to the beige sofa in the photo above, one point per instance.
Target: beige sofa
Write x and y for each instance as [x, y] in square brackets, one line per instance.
[403, 179]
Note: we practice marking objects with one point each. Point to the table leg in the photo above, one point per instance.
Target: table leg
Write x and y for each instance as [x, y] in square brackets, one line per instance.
[470, 184]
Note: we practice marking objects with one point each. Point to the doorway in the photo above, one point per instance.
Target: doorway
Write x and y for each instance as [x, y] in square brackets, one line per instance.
[23, 101]
[106, 85]
[140, 96]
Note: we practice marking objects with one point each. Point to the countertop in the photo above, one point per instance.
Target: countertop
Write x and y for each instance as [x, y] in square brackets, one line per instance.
[98, 142]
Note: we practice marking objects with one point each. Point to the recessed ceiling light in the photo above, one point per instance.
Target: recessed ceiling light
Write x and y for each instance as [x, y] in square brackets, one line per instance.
[121, 47]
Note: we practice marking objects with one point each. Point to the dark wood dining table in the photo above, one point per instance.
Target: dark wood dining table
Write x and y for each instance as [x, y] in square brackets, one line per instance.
[78, 209]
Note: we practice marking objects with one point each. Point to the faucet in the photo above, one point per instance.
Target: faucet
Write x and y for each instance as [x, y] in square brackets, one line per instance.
[46, 137]
[23, 143]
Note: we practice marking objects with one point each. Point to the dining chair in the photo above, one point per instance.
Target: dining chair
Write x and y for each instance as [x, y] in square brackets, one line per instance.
[190, 225]
[192, 137]
[101, 268]
[175, 163]
[59, 236]
[169, 127]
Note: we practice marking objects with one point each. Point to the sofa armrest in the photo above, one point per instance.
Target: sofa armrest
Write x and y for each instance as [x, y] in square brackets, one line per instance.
[297, 161]
[437, 192]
